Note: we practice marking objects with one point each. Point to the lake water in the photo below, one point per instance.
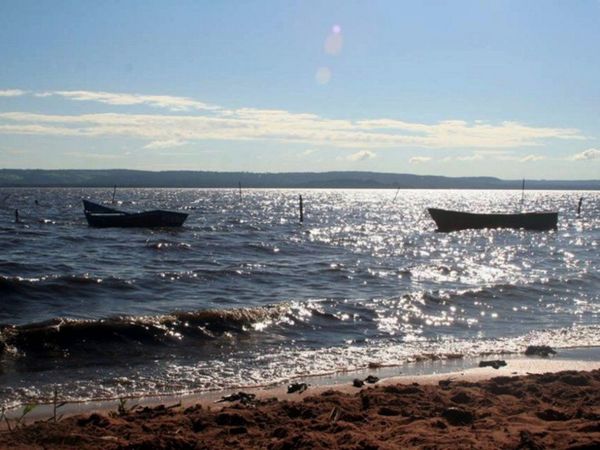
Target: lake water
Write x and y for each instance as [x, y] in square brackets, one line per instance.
[243, 294]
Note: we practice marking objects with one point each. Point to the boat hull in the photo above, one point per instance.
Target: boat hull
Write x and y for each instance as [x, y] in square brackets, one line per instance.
[149, 219]
[96, 208]
[457, 220]
[103, 217]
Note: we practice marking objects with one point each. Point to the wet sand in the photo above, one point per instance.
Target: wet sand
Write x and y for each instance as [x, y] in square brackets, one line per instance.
[476, 408]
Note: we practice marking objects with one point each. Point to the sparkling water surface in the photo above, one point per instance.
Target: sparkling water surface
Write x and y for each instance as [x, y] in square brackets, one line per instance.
[243, 294]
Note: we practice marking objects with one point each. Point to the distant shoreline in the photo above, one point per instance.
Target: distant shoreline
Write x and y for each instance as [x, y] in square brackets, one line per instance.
[316, 188]
[29, 178]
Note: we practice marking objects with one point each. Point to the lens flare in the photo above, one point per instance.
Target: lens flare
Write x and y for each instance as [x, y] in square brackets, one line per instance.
[333, 43]
[323, 75]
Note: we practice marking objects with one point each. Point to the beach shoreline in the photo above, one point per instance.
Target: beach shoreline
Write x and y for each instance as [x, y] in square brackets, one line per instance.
[422, 372]
[519, 385]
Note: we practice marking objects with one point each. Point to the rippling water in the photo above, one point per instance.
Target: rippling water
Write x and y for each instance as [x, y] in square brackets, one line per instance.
[245, 295]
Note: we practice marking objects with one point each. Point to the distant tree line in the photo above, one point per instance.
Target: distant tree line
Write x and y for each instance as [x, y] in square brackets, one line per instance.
[201, 179]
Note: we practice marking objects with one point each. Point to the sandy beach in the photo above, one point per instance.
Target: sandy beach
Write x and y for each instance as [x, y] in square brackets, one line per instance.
[530, 403]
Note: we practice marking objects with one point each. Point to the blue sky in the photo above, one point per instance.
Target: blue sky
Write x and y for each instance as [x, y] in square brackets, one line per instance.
[464, 88]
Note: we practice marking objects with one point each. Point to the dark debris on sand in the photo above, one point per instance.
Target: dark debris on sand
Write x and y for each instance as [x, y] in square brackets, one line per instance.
[297, 387]
[243, 397]
[557, 410]
[540, 350]
[496, 364]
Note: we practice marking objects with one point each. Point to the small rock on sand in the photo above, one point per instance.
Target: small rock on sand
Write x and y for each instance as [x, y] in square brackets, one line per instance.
[297, 387]
[496, 364]
[242, 397]
[540, 350]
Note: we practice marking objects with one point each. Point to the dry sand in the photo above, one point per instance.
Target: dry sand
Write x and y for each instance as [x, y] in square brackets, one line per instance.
[551, 408]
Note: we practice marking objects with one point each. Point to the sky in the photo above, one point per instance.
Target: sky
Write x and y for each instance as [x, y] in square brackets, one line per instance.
[464, 88]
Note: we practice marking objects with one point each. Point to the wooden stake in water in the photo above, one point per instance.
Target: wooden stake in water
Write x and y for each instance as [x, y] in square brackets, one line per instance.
[579, 206]
[114, 193]
[240, 186]
[301, 210]
[522, 194]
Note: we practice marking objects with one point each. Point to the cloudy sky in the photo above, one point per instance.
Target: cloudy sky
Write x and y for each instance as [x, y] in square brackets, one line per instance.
[466, 88]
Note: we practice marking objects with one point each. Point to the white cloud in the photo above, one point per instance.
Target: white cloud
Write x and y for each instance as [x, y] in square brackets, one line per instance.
[499, 155]
[308, 152]
[121, 99]
[42, 130]
[530, 158]
[590, 153]
[419, 159]
[362, 155]
[17, 152]
[12, 93]
[459, 133]
[473, 157]
[165, 144]
[99, 156]
[207, 122]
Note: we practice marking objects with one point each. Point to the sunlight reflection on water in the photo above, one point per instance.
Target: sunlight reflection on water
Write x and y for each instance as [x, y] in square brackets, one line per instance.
[365, 278]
